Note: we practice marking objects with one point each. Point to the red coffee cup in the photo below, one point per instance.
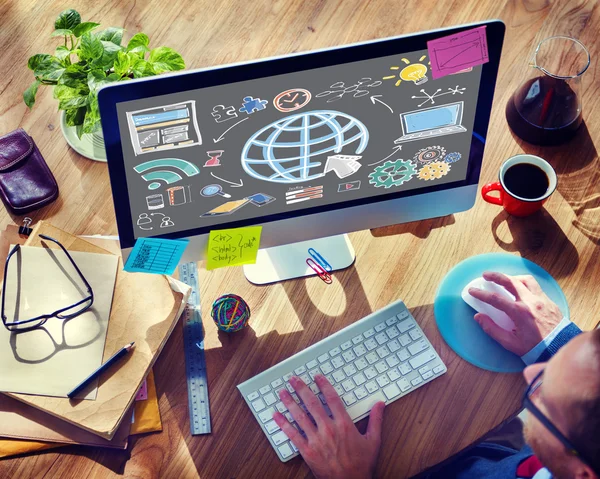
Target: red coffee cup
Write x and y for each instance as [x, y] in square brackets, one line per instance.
[521, 204]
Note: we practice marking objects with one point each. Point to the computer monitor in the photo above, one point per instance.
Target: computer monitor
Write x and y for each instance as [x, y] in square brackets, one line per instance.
[309, 146]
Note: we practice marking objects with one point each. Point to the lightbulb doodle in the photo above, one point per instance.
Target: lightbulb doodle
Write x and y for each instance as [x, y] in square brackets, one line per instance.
[414, 72]
[292, 149]
[430, 98]
[173, 175]
[339, 89]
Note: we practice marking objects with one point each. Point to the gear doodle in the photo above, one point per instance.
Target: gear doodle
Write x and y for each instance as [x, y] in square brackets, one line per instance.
[452, 157]
[430, 154]
[434, 170]
[393, 173]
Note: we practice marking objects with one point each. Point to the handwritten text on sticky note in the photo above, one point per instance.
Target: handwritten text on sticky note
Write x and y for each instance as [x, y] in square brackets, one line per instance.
[155, 255]
[457, 52]
[233, 247]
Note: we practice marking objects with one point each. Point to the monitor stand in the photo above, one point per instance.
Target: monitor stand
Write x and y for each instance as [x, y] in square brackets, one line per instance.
[289, 261]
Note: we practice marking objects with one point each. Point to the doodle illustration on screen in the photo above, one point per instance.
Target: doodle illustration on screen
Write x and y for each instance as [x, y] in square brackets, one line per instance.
[431, 122]
[436, 94]
[434, 171]
[303, 193]
[393, 173]
[164, 127]
[291, 100]
[175, 166]
[412, 72]
[339, 89]
[294, 149]
[222, 113]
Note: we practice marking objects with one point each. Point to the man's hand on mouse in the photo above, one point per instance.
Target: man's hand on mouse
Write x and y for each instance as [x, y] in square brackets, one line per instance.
[534, 314]
[331, 446]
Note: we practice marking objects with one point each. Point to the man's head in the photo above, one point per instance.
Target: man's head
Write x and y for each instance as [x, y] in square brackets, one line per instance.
[570, 397]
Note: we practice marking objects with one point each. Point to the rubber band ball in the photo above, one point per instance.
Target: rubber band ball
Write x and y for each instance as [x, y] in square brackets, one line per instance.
[230, 313]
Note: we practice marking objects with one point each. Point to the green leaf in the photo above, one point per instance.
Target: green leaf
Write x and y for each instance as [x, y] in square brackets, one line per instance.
[111, 34]
[122, 64]
[95, 80]
[75, 116]
[91, 47]
[62, 52]
[137, 41]
[84, 27]
[142, 68]
[50, 69]
[165, 59]
[79, 130]
[29, 94]
[92, 123]
[64, 92]
[75, 76]
[61, 32]
[67, 19]
[36, 59]
[74, 102]
[109, 55]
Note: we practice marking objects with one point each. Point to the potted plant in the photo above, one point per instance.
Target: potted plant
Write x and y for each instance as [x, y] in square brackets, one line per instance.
[86, 60]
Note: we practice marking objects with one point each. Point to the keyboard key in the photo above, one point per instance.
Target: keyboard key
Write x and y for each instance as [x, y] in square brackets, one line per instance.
[330, 379]
[360, 350]
[404, 369]
[270, 399]
[372, 358]
[293, 446]
[393, 374]
[281, 407]
[403, 355]
[346, 345]
[370, 372]
[404, 339]
[358, 339]
[339, 389]
[361, 393]
[299, 370]
[313, 372]
[393, 320]
[289, 417]
[349, 399]
[359, 379]
[371, 387]
[366, 404]
[393, 345]
[339, 376]
[348, 385]
[323, 357]
[417, 347]
[371, 344]
[422, 358]
[383, 352]
[306, 378]
[266, 415]
[416, 334]
[427, 375]
[285, 451]
[278, 390]
[403, 384]
[382, 381]
[405, 325]
[279, 438]
[253, 396]
[288, 376]
[381, 367]
[368, 333]
[381, 338]
[289, 387]
[380, 327]
[438, 369]
[265, 389]
[258, 405]
[416, 381]
[311, 364]
[272, 427]
[392, 333]
[337, 362]
[326, 367]
[277, 383]
[295, 398]
[392, 360]
[350, 370]
[314, 388]
[424, 369]
[348, 356]
[402, 315]
[361, 364]
[335, 352]
[391, 391]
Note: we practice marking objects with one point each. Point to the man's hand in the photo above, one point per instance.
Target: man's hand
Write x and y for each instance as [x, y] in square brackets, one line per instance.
[534, 314]
[332, 447]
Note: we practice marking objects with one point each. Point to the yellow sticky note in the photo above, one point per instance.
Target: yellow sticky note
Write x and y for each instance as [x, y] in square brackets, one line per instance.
[233, 247]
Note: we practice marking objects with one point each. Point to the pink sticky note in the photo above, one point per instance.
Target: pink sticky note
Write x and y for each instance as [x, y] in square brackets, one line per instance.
[142, 394]
[457, 52]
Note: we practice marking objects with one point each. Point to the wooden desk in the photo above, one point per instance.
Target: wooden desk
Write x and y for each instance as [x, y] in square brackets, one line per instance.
[406, 261]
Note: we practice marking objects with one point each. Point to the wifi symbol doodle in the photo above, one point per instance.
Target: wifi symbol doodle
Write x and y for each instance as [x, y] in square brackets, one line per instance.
[167, 176]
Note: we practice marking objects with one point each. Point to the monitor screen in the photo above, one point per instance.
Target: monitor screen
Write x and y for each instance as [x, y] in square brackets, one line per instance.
[293, 143]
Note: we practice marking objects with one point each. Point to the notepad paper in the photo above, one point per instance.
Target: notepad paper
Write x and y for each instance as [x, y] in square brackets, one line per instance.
[232, 247]
[155, 255]
[54, 358]
[458, 52]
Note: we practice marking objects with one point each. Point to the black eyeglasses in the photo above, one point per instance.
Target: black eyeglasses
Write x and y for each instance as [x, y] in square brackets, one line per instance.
[64, 313]
[531, 407]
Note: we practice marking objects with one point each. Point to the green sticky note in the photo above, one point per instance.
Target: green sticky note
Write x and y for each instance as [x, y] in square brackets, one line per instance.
[233, 247]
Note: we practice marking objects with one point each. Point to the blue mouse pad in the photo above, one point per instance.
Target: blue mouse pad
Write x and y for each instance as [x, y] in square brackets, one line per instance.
[455, 320]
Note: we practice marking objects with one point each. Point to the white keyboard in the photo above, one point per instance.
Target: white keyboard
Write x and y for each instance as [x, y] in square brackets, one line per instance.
[381, 357]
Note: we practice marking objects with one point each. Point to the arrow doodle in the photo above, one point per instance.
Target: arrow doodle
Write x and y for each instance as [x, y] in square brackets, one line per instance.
[217, 140]
[396, 150]
[233, 185]
[375, 98]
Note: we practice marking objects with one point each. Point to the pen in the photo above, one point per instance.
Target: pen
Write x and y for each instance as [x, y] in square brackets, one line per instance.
[113, 359]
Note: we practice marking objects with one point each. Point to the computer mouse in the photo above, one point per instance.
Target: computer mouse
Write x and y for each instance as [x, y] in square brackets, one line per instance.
[499, 317]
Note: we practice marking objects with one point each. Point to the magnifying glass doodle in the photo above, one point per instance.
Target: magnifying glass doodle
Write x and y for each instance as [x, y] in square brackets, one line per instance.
[213, 190]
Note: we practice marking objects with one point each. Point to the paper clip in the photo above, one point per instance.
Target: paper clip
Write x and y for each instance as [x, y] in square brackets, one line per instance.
[321, 273]
[25, 230]
[319, 259]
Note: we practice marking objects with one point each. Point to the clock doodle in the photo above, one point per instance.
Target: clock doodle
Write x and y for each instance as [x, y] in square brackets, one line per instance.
[291, 100]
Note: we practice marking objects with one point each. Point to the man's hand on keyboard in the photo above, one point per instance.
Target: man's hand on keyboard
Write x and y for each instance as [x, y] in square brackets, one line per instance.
[534, 314]
[332, 446]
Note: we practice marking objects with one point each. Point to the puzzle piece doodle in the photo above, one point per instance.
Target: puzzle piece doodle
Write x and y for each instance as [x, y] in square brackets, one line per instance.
[253, 104]
[229, 112]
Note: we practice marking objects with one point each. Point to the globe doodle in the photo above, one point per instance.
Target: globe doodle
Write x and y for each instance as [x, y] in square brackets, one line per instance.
[294, 149]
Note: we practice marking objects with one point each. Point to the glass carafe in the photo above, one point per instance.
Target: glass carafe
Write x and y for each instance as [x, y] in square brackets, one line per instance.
[546, 108]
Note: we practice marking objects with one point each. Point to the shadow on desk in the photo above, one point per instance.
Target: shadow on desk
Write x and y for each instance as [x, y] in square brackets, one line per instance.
[420, 229]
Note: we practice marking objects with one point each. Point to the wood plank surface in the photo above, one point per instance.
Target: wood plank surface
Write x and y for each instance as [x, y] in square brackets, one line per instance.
[405, 261]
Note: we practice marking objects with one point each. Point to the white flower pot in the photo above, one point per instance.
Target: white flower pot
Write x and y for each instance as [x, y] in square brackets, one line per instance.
[89, 145]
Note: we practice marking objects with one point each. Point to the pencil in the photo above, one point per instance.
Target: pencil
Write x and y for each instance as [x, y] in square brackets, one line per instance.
[112, 360]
